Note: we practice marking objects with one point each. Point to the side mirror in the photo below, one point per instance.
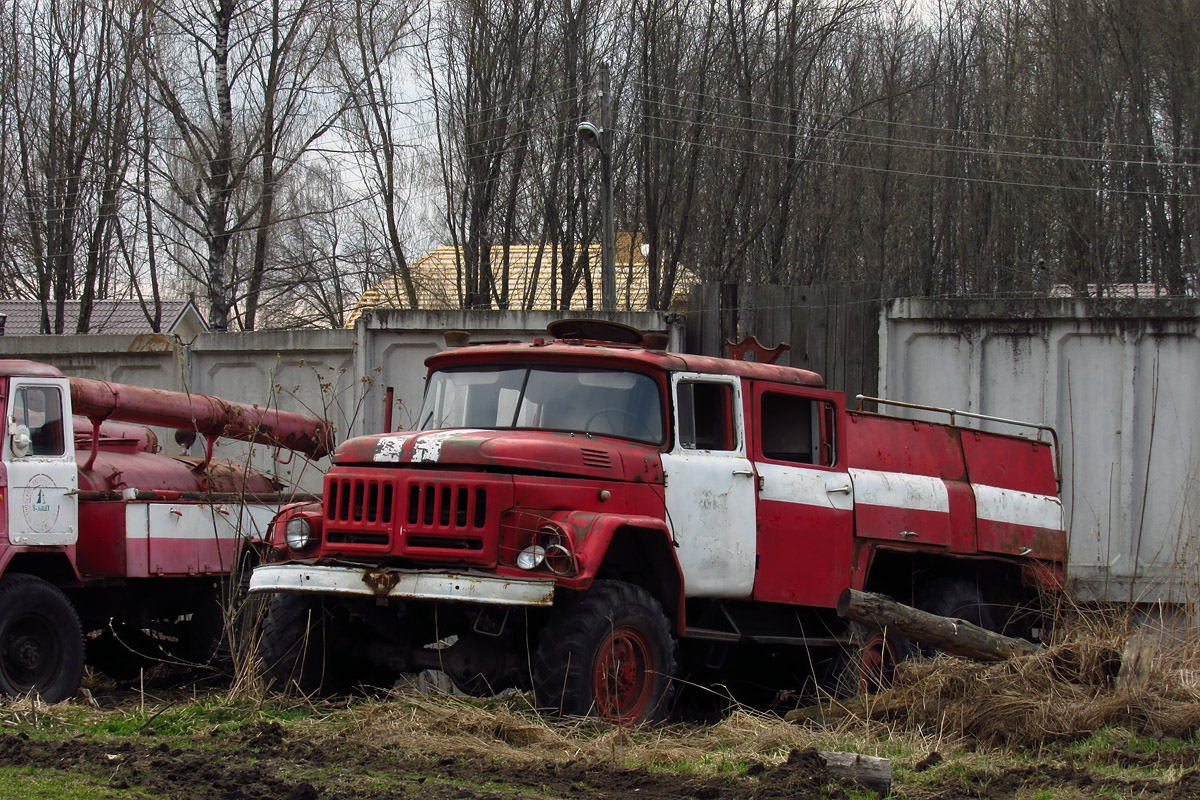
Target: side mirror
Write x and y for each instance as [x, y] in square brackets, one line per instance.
[21, 441]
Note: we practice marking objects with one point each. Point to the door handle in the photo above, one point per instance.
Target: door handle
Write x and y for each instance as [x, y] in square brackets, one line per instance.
[838, 490]
[743, 472]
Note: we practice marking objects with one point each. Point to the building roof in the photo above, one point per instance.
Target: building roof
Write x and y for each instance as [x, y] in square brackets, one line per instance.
[436, 278]
[23, 317]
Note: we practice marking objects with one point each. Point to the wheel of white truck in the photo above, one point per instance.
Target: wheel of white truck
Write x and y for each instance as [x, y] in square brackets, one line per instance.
[293, 645]
[122, 651]
[41, 640]
[607, 652]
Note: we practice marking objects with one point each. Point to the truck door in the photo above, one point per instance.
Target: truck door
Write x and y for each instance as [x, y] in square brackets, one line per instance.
[710, 487]
[39, 453]
[805, 497]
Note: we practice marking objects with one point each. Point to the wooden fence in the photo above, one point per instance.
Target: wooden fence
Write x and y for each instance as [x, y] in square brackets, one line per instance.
[832, 329]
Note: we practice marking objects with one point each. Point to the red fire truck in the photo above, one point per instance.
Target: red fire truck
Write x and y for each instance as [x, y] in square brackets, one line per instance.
[103, 536]
[569, 512]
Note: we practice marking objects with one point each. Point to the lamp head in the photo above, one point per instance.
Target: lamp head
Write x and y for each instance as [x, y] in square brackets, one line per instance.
[589, 134]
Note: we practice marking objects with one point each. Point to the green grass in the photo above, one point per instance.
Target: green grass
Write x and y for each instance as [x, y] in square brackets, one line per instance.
[36, 783]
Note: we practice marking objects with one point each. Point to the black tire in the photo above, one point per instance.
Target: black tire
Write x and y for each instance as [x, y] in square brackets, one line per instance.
[607, 652]
[956, 598]
[223, 627]
[869, 661]
[41, 640]
[293, 645]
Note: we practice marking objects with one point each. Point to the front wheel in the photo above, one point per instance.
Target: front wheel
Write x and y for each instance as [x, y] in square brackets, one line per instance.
[607, 652]
[293, 645]
[41, 640]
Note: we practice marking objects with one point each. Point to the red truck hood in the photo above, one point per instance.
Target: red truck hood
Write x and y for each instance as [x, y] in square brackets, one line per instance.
[541, 451]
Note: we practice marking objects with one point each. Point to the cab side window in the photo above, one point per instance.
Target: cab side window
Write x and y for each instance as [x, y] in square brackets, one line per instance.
[39, 408]
[797, 429]
[705, 416]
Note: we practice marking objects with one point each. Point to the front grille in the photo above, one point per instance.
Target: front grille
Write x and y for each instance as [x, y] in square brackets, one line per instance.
[358, 537]
[359, 511]
[445, 505]
[359, 500]
[445, 543]
[422, 516]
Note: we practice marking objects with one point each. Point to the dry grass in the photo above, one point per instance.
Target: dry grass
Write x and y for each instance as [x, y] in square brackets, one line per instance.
[1068, 692]
[508, 730]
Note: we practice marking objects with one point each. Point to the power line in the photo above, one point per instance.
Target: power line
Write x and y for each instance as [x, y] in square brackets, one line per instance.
[856, 137]
[916, 174]
[839, 117]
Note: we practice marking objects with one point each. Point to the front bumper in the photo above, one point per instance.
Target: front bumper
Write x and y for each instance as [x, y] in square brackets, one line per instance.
[413, 584]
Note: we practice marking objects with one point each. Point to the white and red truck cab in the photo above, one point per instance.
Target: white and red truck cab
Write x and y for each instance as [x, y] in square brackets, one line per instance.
[596, 504]
[103, 536]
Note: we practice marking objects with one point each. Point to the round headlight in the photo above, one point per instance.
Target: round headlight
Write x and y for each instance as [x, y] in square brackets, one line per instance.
[298, 533]
[531, 557]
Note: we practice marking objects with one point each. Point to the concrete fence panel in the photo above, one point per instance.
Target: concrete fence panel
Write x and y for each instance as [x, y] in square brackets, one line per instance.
[1118, 380]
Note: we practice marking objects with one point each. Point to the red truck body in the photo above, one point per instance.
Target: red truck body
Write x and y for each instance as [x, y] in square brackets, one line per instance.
[104, 536]
[734, 500]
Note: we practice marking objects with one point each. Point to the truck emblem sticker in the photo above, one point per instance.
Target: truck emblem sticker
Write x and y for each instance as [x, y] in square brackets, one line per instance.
[41, 507]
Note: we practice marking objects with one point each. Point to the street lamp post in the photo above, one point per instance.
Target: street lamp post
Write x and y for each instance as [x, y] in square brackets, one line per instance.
[601, 139]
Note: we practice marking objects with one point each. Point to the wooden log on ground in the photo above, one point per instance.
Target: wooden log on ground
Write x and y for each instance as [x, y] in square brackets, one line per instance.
[871, 772]
[954, 636]
[867, 706]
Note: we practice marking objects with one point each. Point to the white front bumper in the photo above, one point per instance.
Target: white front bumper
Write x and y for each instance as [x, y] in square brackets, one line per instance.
[415, 584]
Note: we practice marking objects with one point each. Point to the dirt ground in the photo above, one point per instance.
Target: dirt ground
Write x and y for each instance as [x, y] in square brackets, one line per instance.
[261, 762]
[420, 746]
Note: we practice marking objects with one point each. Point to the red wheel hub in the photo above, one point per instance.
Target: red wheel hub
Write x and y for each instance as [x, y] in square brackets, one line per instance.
[877, 667]
[623, 676]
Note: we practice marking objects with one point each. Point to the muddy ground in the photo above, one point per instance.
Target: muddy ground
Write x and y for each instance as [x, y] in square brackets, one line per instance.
[262, 762]
[252, 759]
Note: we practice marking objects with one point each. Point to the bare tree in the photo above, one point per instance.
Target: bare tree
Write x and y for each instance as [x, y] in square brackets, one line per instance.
[67, 83]
[370, 61]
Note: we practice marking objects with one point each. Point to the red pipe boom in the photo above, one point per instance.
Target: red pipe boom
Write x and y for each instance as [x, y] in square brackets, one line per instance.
[210, 416]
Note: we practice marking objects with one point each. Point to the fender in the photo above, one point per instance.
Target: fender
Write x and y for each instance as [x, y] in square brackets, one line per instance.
[274, 538]
[55, 563]
[632, 546]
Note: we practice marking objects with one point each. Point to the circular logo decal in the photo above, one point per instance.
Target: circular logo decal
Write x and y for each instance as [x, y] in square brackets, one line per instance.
[42, 503]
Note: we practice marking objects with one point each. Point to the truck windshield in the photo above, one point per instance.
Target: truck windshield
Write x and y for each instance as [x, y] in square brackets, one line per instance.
[604, 402]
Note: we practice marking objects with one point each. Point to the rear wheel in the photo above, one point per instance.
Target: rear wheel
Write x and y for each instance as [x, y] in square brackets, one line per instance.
[870, 663]
[41, 640]
[956, 598]
[607, 653]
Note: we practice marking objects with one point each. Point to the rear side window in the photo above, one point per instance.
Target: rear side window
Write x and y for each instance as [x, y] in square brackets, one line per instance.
[798, 430]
